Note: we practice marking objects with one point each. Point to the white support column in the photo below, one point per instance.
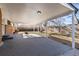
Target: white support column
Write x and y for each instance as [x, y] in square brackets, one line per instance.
[33, 28]
[46, 29]
[73, 30]
[38, 28]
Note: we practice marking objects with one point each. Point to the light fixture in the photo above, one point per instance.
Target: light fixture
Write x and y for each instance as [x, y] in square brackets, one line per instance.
[38, 12]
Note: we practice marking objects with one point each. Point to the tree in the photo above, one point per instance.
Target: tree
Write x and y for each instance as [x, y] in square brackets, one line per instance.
[59, 23]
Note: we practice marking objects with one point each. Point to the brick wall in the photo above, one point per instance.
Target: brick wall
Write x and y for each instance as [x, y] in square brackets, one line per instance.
[0, 25]
[9, 29]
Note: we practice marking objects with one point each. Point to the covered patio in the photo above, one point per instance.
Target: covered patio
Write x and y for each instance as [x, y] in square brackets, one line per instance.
[31, 16]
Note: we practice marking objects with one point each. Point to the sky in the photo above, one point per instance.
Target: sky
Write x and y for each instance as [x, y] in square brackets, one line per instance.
[68, 19]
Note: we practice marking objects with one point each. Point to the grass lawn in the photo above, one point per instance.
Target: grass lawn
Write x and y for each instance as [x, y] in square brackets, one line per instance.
[58, 37]
[64, 39]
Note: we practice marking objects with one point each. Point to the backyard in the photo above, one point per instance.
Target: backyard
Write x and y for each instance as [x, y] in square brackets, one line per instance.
[60, 37]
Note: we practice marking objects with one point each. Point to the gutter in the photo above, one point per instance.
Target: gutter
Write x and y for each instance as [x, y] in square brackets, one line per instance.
[71, 5]
[75, 10]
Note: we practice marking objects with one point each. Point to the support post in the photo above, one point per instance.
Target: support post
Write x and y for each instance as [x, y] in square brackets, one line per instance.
[46, 30]
[73, 30]
[38, 28]
[33, 28]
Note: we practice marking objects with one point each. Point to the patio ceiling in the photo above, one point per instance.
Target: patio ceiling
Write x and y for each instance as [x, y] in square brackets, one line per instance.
[35, 13]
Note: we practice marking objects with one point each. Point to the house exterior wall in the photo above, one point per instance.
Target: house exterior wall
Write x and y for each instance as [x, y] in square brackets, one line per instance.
[0, 25]
[9, 29]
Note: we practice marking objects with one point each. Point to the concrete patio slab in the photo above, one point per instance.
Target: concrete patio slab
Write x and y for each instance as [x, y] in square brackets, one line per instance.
[36, 46]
